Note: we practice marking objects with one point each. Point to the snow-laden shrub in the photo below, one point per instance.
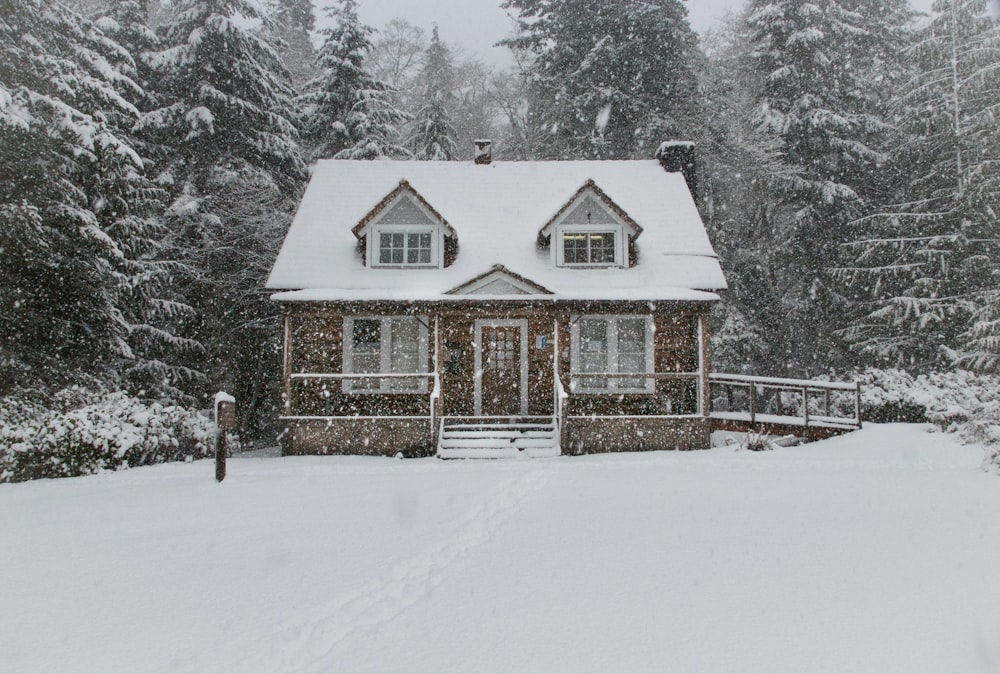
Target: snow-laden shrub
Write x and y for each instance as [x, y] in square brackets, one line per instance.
[957, 401]
[78, 433]
[756, 442]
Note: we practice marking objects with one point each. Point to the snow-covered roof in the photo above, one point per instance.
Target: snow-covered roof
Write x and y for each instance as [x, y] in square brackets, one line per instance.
[496, 211]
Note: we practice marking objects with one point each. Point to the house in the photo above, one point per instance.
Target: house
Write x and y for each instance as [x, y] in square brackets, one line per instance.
[497, 308]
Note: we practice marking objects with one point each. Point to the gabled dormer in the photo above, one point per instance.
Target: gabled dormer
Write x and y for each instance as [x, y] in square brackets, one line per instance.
[403, 231]
[499, 281]
[590, 230]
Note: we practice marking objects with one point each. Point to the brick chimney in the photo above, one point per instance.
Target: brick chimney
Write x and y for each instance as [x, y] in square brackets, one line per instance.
[678, 156]
[484, 151]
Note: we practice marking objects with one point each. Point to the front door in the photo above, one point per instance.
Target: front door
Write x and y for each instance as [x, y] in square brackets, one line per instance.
[501, 367]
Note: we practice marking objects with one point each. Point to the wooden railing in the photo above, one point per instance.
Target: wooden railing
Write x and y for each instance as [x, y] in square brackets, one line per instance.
[433, 393]
[800, 402]
[647, 388]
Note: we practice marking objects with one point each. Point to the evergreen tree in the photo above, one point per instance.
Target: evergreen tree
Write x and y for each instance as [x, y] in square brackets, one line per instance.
[229, 96]
[75, 203]
[433, 136]
[738, 165]
[609, 80]
[154, 370]
[928, 262]
[813, 62]
[348, 113]
[293, 21]
[225, 115]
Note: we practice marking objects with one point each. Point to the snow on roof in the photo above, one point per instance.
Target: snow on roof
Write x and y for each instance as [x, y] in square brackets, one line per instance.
[497, 211]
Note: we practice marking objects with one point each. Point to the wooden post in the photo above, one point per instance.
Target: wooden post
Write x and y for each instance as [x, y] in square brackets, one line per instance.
[805, 405]
[753, 403]
[225, 420]
[857, 402]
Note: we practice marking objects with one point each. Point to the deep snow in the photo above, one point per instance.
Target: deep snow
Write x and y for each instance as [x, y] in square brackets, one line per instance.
[874, 552]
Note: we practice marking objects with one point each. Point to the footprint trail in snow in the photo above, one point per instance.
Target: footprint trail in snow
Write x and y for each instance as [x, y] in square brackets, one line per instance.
[311, 644]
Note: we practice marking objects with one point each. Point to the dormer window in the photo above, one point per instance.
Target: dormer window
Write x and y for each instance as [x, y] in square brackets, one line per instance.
[589, 247]
[406, 247]
[404, 231]
[590, 230]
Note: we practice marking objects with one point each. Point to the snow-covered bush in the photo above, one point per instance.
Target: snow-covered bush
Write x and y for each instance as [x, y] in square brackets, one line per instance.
[957, 401]
[756, 442]
[78, 433]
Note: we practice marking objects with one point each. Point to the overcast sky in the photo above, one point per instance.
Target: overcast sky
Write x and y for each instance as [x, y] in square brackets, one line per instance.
[477, 24]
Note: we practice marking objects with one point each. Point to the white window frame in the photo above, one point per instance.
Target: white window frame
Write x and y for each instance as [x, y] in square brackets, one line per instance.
[620, 244]
[385, 355]
[613, 385]
[437, 245]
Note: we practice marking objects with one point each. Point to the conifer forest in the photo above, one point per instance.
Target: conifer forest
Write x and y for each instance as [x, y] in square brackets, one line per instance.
[152, 153]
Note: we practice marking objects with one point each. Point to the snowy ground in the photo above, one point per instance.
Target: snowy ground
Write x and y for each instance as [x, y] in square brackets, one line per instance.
[875, 552]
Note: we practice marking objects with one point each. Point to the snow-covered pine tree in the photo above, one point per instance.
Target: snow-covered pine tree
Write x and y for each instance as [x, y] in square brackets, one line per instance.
[814, 61]
[74, 201]
[609, 79]
[432, 136]
[738, 162]
[226, 116]
[230, 96]
[292, 22]
[928, 261]
[347, 113]
[133, 208]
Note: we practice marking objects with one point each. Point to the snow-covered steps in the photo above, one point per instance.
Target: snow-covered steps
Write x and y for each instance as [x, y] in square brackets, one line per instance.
[474, 439]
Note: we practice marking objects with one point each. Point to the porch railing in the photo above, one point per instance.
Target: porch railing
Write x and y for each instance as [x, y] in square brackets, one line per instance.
[800, 402]
[691, 377]
[433, 396]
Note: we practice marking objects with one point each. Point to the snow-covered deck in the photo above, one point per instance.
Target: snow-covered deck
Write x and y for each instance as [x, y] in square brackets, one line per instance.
[774, 404]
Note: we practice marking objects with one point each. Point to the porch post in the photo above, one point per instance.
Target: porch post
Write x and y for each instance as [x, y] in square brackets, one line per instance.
[557, 400]
[555, 367]
[436, 379]
[286, 361]
[704, 391]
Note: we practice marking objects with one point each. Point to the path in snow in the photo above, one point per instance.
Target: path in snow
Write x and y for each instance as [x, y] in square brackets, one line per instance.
[309, 644]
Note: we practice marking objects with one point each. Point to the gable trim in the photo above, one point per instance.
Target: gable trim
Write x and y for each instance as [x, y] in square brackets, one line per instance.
[591, 187]
[499, 271]
[403, 187]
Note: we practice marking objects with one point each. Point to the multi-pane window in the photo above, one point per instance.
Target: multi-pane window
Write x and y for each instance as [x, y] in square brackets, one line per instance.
[609, 345]
[385, 344]
[594, 248]
[405, 248]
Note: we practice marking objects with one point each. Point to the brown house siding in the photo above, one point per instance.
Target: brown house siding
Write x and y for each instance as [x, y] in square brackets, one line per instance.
[371, 437]
[587, 436]
[314, 345]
